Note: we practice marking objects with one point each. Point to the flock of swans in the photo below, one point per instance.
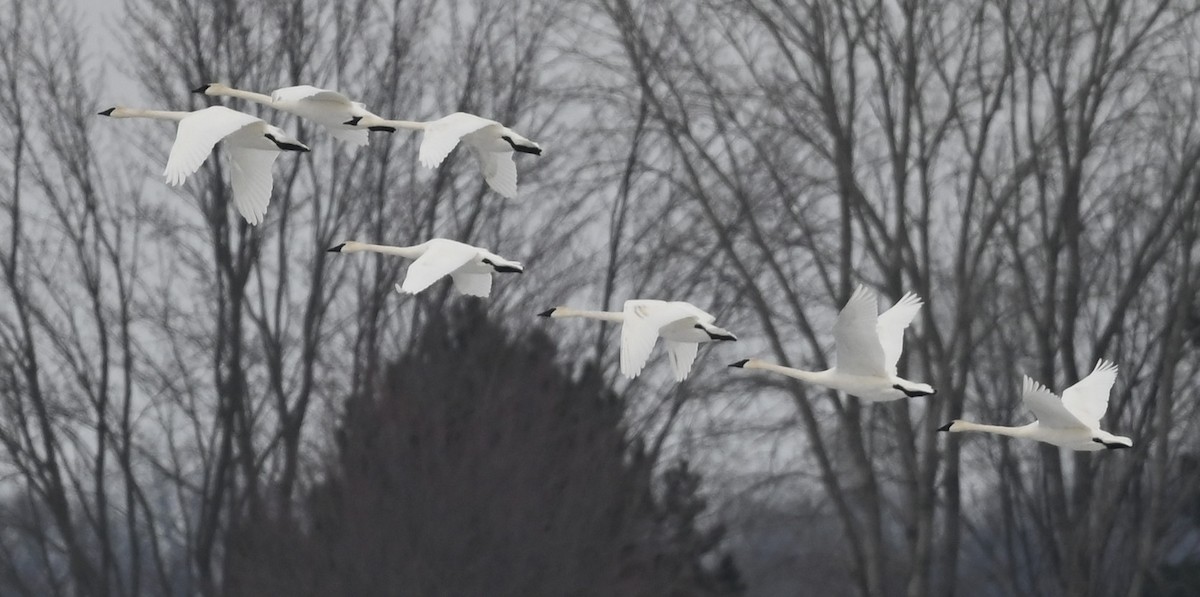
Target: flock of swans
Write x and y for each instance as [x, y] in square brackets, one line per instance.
[868, 343]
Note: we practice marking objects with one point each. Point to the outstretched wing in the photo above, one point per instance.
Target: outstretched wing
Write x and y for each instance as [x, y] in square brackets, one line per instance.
[682, 354]
[443, 134]
[308, 92]
[858, 349]
[642, 321]
[499, 170]
[1088, 399]
[472, 284]
[890, 328]
[252, 181]
[198, 133]
[437, 262]
[1046, 406]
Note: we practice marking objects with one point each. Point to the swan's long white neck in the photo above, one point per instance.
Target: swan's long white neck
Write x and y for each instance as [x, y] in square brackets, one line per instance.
[601, 315]
[960, 426]
[818, 377]
[408, 252]
[246, 95]
[155, 114]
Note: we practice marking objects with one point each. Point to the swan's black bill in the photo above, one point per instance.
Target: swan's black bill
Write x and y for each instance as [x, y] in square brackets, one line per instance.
[379, 128]
[107, 112]
[913, 393]
[337, 249]
[284, 145]
[547, 312]
[353, 121]
[740, 364]
[946, 428]
[505, 269]
[202, 88]
[522, 148]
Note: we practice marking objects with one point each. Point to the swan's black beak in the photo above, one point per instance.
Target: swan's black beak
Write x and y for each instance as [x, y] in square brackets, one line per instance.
[353, 121]
[740, 364]
[945, 428]
[107, 112]
[547, 312]
[337, 249]
[202, 88]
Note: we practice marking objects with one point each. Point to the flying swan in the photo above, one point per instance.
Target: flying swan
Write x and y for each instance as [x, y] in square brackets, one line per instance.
[470, 268]
[1072, 422]
[252, 146]
[868, 346]
[683, 326]
[329, 109]
[492, 143]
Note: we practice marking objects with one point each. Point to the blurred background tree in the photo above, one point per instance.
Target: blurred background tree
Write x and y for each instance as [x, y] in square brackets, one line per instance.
[483, 467]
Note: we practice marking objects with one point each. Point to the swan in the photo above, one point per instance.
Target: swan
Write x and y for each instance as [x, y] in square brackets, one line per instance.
[868, 347]
[682, 325]
[329, 109]
[469, 267]
[492, 143]
[1072, 422]
[252, 146]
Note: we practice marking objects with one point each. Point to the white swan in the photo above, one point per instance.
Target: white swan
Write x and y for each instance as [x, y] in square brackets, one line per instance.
[492, 143]
[329, 109]
[1072, 422]
[683, 326]
[252, 146]
[868, 346]
[470, 267]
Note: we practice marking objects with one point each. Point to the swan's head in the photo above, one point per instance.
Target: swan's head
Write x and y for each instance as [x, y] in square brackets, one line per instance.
[1113, 442]
[346, 247]
[282, 140]
[716, 333]
[554, 312]
[116, 112]
[952, 427]
[504, 266]
[522, 144]
[216, 89]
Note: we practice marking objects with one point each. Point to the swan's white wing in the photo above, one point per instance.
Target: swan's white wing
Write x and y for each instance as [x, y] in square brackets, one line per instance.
[437, 262]
[472, 284]
[639, 332]
[682, 354]
[198, 133]
[355, 137]
[499, 170]
[891, 326]
[308, 92]
[251, 180]
[443, 134]
[1046, 406]
[858, 349]
[1088, 399]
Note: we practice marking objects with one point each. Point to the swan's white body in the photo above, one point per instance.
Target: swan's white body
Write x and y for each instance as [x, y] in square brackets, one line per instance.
[1072, 422]
[251, 144]
[329, 109]
[492, 143]
[868, 347]
[682, 325]
[469, 267]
